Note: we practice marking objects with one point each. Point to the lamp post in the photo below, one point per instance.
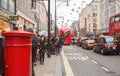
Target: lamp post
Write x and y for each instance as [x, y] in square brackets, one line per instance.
[56, 14]
[49, 51]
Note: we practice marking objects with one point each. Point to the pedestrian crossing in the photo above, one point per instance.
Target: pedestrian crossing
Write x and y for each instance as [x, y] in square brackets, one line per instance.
[77, 56]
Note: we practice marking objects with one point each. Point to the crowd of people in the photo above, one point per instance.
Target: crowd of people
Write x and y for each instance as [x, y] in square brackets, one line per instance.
[42, 47]
[39, 49]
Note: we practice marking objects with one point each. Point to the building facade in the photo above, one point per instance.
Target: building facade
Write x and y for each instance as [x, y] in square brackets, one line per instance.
[75, 28]
[43, 17]
[25, 14]
[88, 18]
[107, 8]
[32, 14]
[7, 9]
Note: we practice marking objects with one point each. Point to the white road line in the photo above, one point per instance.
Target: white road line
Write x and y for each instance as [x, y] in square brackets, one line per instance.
[83, 58]
[79, 58]
[94, 61]
[68, 68]
[74, 58]
[105, 69]
[86, 57]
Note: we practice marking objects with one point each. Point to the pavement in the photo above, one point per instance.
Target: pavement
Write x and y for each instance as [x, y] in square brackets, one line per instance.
[52, 67]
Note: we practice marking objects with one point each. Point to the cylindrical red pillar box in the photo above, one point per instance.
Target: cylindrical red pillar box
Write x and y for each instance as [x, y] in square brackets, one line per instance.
[18, 53]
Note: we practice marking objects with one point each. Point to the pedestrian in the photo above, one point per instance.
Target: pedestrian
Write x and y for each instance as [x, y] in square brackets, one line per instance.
[2, 61]
[42, 50]
[34, 50]
[61, 43]
[57, 43]
[38, 45]
[46, 45]
[53, 45]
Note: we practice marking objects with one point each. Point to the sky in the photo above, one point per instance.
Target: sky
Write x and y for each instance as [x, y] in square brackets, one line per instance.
[67, 14]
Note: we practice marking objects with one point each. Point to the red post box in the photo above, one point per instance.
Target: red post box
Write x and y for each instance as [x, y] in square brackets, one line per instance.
[18, 53]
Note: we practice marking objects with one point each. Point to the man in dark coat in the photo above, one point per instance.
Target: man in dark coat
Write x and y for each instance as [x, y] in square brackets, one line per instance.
[2, 67]
[2, 61]
[42, 50]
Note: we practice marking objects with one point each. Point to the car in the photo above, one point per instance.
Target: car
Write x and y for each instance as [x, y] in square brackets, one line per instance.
[105, 45]
[88, 44]
[74, 40]
[80, 40]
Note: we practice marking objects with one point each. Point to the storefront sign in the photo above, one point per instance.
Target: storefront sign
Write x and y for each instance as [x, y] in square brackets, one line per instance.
[4, 16]
[13, 18]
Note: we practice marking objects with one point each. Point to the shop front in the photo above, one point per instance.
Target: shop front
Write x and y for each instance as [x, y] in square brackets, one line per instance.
[23, 24]
[5, 23]
[4, 26]
[7, 9]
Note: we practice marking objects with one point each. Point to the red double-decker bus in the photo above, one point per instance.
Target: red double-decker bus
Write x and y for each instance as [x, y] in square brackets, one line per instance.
[65, 32]
[114, 25]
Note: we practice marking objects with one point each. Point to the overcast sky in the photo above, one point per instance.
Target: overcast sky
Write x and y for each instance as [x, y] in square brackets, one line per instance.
[70, 13]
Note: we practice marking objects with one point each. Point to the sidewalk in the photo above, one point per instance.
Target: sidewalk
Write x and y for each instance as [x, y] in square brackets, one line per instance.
[52, 67]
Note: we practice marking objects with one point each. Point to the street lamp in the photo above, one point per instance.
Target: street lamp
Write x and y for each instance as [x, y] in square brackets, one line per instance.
[56, 14]
[49, 51]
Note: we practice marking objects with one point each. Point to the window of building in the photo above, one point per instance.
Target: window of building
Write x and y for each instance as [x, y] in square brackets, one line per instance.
[12, 6]
[94, 14]
[4, 3]
[8, 5]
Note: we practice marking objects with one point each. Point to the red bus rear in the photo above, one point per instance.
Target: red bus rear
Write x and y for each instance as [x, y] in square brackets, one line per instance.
[114, 25]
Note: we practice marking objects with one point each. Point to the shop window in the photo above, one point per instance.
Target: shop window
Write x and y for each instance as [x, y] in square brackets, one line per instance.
[4, 3]
[8, 5]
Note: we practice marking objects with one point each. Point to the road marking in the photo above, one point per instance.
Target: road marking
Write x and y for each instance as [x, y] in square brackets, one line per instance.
[68, 68]
[105, 69]
[94, 61]
[83, 58]
[86, 57]
[75, 58]
[79, 58]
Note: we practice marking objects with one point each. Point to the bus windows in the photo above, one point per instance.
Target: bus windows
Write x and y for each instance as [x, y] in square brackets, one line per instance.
[117, 18]
[112, 20]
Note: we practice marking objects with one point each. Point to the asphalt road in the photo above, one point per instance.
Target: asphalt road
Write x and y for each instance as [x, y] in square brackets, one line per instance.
[87, 63]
